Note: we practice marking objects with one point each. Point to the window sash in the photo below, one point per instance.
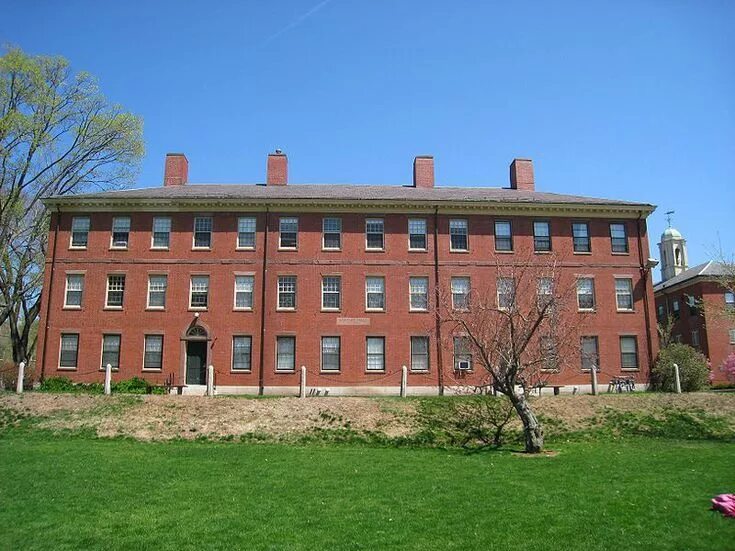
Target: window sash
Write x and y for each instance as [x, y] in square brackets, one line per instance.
[541, 237]
[331, 349]
[460, 287]
[730, 299]
[503, 235]
[331, 292]
[590, 353]
[74, 289]
[111, 351]
[203, 232]
[120, 231]
[581, 237]
[199, 291]
[462, 352]
[246, 232]
[417, 234]
[161, 232]
[287, 291]
[418, 288]
[115, 290]
[624, 294]
[285, 353]
[506, 292]
[80, 231]
[288, 230]
[458, 235]
[375, 233]
[332, 233]
[69, 350]
[244, 285]
[618, 238]
[419, 353]
[375, 293]
[628, 353]
[375, 353]
[153, 352]
[157, 291]
[586, 294]
[241, 353]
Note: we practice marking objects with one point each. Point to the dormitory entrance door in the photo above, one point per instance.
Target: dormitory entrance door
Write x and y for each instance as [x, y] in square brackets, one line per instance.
[196, 360]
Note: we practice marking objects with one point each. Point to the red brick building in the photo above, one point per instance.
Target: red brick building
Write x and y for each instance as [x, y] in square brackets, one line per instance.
[258, 280]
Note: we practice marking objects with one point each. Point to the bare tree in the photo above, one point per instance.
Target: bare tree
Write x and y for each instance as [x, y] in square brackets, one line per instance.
[58, 135]
[522, 330]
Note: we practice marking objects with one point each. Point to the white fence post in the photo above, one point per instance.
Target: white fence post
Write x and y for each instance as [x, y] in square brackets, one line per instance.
[21, 376]
[677, 379]
[404, 381]
[594, 379]
[210, 380]
[108, 379]
[302, 382]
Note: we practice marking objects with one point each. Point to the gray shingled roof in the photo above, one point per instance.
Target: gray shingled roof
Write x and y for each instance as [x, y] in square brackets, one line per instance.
[706, 269]
[346, 192]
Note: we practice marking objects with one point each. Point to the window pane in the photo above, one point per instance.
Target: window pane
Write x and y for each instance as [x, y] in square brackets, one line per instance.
[619, 238]
[419, 353]
[74, 289]
[241, 352]
[375, 289]
[460, 292]
[458, 235]
[288, 228]
[111, 351]
[246, 233]
[624, 294]
[286, 353]
[503, 236]
[153, 352]
[586, 293]
[332, 230]
[375, 353]
[161, 232]
[417, 233]
[244, 291]
[330, 353]
[462, 354]
[69, 349]
[590, 354]
[541, 236]
[581, 237]
[374, 228]
[203, 231]
[419, 293]
[629, 352]
[79, 231]
[199, 291]
[287, 291]
[115, 290]
[331, 286]
[157, 291]
[506, 292]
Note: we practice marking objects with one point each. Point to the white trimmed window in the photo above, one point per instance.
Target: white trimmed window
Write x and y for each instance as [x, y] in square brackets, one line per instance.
[111, 351]
[586, 293]
[545, 291]
[628, 352]
[503, 235]
[120, 232]
[79, 232]
[161, 237]
[285, 353]
[202, 232]
[462, 354]
[69, 351]
[331, 292]
[332, 233]
[374, 234]
[74, 290]
[115, 291]
[732, 336]
[199, 295]
[618, 238]
[287, 292]
[590, 353]
[624, 293]
[244, 285]
[419, 353]
[416, 234]
[241, 353]
[375, 293]
[729, 300]
[331, 353]
[375, 353]
[157, 291]
[506, 293]
[581, 237]
[246, 232]
[458, 235]
[460, 293]
[418, 288]
[541, 236]
[288, 233]
[153, 352]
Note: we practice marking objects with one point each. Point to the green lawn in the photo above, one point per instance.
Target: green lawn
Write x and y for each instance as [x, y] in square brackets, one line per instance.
[77, 492]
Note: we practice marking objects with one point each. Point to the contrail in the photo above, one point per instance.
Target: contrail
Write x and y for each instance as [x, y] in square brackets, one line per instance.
[296, 22]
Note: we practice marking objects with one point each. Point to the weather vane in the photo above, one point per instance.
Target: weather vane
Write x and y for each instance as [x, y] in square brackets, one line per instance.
[668, 216]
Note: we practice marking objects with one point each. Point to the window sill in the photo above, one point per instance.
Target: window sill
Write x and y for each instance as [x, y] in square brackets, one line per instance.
[201, 248]
[113, 308]
[117, 249]
[151, 369]
[65, 307]
[542, 252]
[332, 310]
[285, 309]
[197, 309]
[630, 369]
[331, 250]
[620, 254]
[244, 371]
[375, 310]
[625, 311]
[77, 248]
[244, 248]
[419, 371]
[503, 252]
[375, 371]
[460, 251]
[418, 250]
[375, 250]
[285, 371]
[583, 253]
[114, 369]
[418, 310]
[155, 309]
[330, 372]
[292, 249]
[159, 249]
[66, 368]
[242, 309]
[587, 310]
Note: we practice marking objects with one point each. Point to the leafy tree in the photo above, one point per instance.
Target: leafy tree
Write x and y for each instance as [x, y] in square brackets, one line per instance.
[728, 367]
[694, 370]
[58, 135]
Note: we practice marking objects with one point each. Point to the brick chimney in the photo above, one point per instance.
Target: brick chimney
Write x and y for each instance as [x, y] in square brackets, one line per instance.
[521, 175]
[423, 171]
[176, 171]
[277, 169]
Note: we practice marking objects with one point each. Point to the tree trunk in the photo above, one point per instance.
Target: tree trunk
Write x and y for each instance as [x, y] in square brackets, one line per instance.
[532, 430]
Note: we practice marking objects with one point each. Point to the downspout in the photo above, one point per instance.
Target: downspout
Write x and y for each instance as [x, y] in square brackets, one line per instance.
[646, 305]
[48, 295]
[437, 298]
[261, 367]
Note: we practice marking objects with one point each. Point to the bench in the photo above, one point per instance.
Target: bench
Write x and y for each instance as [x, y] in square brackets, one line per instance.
[557, 388]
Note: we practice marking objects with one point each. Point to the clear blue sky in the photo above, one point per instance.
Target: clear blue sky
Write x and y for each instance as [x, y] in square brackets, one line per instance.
[628, 99]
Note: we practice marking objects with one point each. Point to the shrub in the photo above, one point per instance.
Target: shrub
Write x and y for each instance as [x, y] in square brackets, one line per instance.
[136, 385]
[693, 369]
[64, 384]
[728, 367]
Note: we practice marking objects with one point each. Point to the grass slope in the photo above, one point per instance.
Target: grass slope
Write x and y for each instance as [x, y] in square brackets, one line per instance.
[78, 492]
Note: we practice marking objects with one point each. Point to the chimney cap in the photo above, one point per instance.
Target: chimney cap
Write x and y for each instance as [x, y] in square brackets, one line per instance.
[175, 155]
[278, 151]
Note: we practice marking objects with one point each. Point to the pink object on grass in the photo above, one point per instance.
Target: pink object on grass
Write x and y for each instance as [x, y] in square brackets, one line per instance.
[725, 504]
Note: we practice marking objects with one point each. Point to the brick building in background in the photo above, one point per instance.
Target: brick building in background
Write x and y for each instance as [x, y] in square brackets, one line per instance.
[695, 300]
[258, 280]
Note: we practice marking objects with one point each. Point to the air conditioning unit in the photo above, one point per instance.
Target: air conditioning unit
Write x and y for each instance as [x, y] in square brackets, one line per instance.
[464, 365]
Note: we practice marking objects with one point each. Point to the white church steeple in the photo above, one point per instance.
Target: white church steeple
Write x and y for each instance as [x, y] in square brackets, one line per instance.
[673, 249]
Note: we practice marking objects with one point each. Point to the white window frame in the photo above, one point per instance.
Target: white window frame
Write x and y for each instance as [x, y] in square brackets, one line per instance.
[509, 236]
[293, 367]
[594, 299]
[108, 306]
[369, 369]
[279, 292]
[194, 245]
[233, 369]
[459, 222]
[68, 306]
[411, 294]
[545, 284]
[321, 354]
[503, 281]
[337, 232]
[338, 292]
[249, 220]
[103, 365]
[424, 233]
[116, 220]
[467, 294]
[167, 232]
[191, 291]
[625, 236]
[61, 344]
[619, 295]
[251, 278]
[637, 353]
[546, 223]
[281, 221]
[729, 304]
[369, 221]
[428, 354]
[145, 351]
[369, 308]
[148, 305]
[72, 231]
